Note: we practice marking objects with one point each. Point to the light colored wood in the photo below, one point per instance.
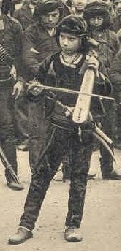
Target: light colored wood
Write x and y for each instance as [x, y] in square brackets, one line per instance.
[82, 107]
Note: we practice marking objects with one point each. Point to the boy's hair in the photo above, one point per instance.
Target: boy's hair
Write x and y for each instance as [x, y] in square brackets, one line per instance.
[97, 8]
[75, 26]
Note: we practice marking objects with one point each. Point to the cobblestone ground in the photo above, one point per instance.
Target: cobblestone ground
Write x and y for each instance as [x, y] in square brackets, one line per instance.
[101, 226]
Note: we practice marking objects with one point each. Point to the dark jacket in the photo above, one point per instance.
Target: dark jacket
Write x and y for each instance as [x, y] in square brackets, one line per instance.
[115, 76]
[116, 23]
[37, 45]
[24, 16]
[108, 46]
[50, 107]
[52, 72]
[11, 40]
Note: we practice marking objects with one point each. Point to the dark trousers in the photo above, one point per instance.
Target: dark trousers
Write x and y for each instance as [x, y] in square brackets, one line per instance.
[47, 166]
[21, 118]
[108, 126]
[7, 139]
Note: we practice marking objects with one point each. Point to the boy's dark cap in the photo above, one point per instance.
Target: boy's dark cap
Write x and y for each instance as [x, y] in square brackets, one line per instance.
[47, 6]
[72, 25]
[96, 8]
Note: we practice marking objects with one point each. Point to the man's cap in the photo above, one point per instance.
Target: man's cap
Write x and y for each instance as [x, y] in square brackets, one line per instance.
[48, 6]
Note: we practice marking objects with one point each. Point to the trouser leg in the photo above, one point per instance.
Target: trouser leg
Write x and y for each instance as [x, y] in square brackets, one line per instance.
[21, 118]
[41, 177]
[7, 138]
[106, 162]
[39, 185]
[77, 192]
[108, 126]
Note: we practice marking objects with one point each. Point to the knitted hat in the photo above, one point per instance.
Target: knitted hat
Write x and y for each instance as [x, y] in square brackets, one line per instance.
[97, 8]
[72, 25]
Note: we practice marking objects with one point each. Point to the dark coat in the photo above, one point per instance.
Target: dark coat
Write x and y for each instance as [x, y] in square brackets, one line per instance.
[115, 76]
[52, 72]
[24, 16]
[108, 46]
[11, 40]
[116, 23]
[38, 45]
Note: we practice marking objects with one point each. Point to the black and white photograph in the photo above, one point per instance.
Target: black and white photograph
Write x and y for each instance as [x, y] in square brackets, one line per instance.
[60, 125]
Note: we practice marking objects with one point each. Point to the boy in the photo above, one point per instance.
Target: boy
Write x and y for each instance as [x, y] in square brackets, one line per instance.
[98, 20]
[11, 44]
[53, 132]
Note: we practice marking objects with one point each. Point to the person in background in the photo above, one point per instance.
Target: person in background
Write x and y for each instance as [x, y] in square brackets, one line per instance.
[25, 14]
[117, 16]
[97, 16]
[10, 58]
[115, 76]
[78, 7]
[39, 39]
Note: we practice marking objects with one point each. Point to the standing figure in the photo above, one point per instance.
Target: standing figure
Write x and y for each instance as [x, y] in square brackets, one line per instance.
[117, 16]
[38, 42]
[52, 130]
[39, 39]
[10, 55]
[25, 14]
[115, 76]
[98, 20]
[78, 7]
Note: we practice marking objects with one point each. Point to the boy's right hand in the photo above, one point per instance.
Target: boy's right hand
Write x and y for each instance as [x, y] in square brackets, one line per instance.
[35, 88]
[93, 62]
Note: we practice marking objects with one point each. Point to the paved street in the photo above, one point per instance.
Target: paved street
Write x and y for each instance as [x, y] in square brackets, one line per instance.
[101, 226]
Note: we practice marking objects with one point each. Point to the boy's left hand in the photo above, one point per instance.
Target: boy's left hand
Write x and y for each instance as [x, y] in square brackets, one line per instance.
[69, 111]
[18, 89]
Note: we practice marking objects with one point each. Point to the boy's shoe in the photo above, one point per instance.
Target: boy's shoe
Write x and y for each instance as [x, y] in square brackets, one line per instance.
[15, 186]
[112, 176]
[72, 234]
[22, 235]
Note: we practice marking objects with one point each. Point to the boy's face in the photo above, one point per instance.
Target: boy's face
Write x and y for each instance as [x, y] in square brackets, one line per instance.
[50, 19]
[69, 44]
[79, 4]
[118, 7]
[96, 21]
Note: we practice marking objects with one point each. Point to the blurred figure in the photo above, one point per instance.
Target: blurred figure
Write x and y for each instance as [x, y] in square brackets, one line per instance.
[39, 39]
[78, 7]
[97, 16]
[117, 17]
[25, 14]
[10, 58]
[115, 76]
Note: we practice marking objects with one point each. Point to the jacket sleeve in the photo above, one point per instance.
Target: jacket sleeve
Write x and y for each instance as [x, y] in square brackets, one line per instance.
[18, 35]
[103, 86]
[31, 63]
[115, 71]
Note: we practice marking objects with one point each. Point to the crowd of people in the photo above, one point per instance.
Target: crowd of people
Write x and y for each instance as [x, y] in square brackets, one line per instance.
[46, 50]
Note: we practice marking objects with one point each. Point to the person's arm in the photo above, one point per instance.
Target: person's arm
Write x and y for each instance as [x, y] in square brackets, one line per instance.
[30, 54]
[18, 62]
